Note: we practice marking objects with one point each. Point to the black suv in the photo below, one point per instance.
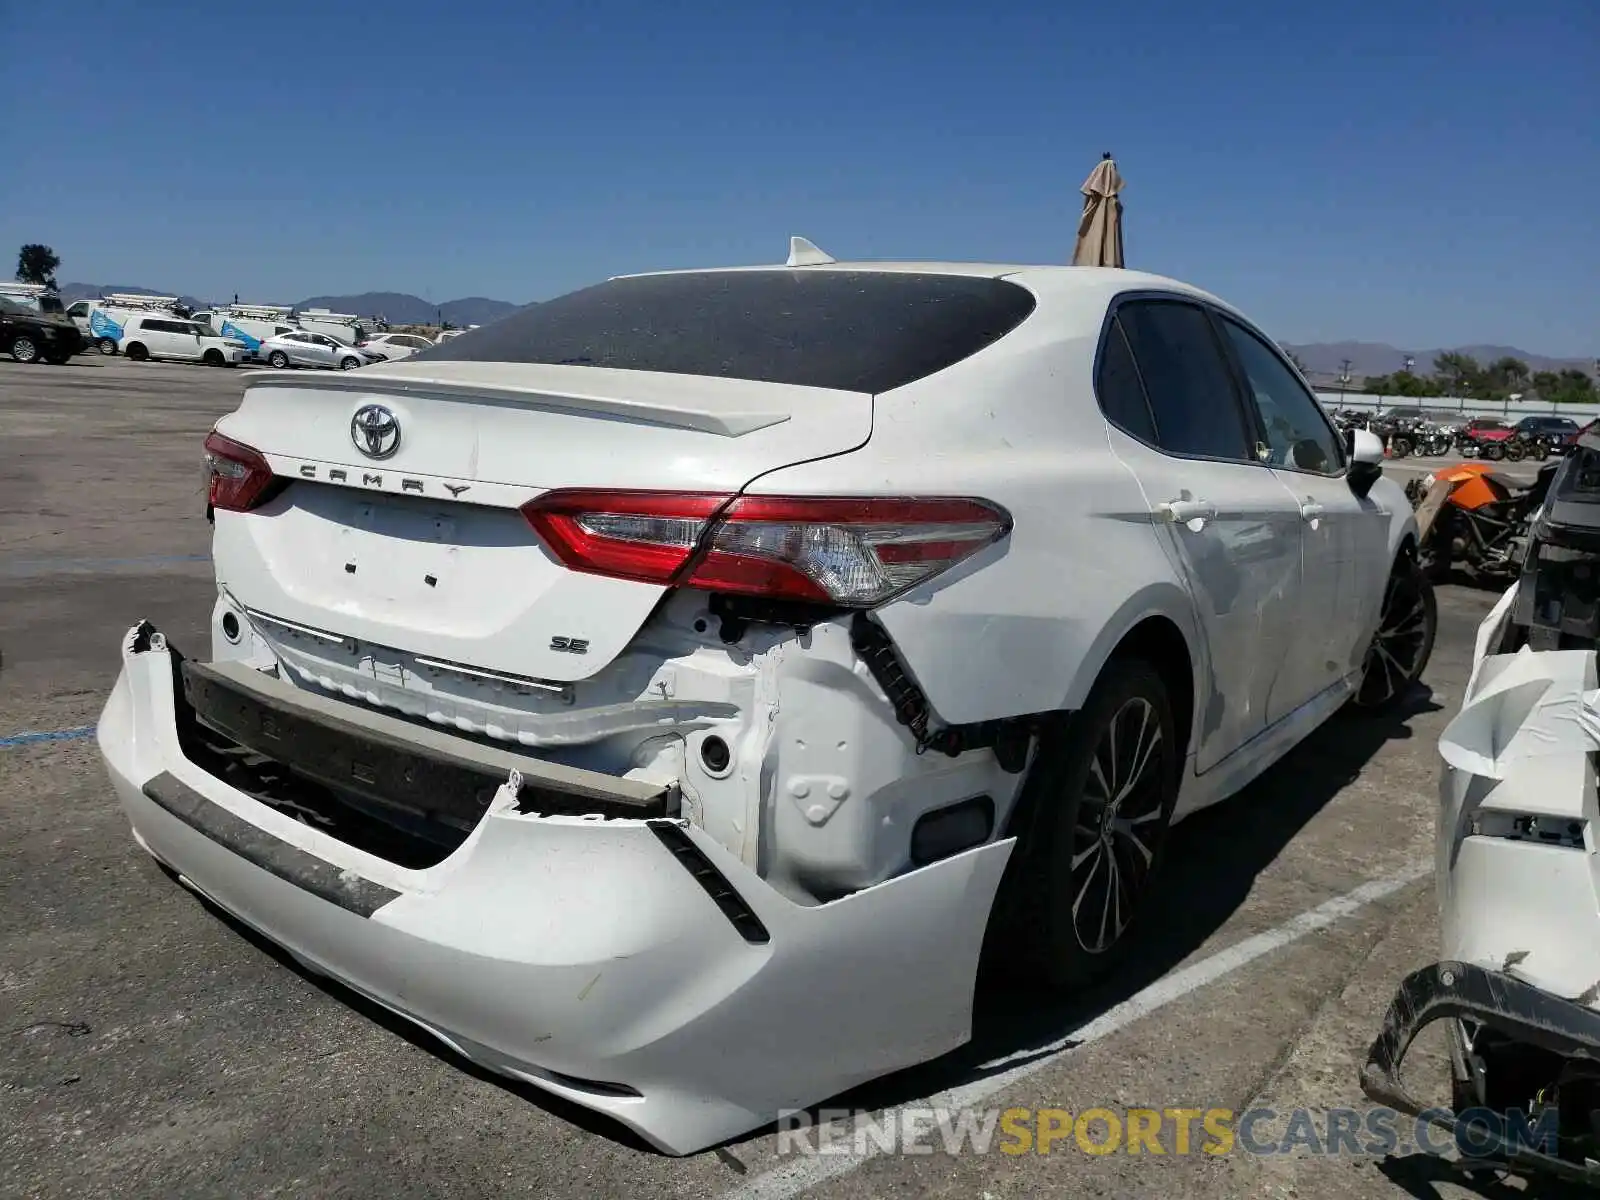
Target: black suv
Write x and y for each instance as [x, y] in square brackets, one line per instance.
[30, 336]
[1553, 433]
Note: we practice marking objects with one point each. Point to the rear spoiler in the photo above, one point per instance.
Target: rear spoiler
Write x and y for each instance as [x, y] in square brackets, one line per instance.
[729, 408]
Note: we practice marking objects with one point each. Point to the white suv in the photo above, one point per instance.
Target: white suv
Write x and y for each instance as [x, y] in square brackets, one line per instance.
[661, 694]
[162, 336]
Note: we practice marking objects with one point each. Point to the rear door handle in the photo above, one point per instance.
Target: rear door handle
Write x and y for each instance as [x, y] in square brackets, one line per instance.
[1181, 512]
[1311, 510]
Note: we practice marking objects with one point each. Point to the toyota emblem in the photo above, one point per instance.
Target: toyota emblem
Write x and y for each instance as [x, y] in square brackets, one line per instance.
[375, 431]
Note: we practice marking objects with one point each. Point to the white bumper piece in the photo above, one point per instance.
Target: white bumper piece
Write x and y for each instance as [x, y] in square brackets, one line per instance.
[1518, 874]
[579, 954]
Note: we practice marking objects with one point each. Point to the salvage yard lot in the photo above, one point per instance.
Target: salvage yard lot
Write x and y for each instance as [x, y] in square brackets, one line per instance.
[153, 1049]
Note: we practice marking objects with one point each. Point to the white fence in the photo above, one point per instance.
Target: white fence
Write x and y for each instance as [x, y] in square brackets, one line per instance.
[1452, 405]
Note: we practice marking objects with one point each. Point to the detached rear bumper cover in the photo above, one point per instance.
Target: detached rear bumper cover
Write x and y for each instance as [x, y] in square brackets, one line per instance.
[1500, 1001]
[585, 955]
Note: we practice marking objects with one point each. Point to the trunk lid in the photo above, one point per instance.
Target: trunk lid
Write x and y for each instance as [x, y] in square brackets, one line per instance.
[417, 548]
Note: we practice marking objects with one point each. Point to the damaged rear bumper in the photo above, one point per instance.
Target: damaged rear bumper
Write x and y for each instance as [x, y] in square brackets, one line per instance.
[629, 964]
[1456, 990]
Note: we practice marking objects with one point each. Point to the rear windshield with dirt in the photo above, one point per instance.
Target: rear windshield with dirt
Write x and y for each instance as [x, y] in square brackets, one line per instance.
[860, 331]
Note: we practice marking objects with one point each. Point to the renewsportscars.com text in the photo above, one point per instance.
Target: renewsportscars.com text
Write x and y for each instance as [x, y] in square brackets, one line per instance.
[1367, 1132]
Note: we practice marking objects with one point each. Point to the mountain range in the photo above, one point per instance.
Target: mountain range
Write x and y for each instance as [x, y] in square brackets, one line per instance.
[1320, 359]
[1379, 358]
[398, 308]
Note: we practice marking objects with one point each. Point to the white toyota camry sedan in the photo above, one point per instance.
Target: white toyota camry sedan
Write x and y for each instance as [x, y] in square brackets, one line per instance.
[664, 694]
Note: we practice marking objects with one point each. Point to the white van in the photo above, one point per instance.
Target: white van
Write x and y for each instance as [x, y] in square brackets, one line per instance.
[342, 327]
[104, 321]
[250, 324]
[162, 336]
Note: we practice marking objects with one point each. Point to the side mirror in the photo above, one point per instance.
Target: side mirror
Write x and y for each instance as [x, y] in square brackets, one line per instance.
[1366, 460]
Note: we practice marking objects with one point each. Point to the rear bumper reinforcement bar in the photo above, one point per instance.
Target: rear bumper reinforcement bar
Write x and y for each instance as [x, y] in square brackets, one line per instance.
[1448, 990]
[393, 761]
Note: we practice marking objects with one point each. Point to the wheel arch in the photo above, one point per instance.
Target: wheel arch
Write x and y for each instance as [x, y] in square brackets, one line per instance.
[1157, 626]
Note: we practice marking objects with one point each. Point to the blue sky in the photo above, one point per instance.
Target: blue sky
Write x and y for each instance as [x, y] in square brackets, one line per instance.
[1407, 171]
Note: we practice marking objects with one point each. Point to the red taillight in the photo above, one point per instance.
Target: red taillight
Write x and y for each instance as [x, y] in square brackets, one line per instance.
[237, 476]
[856, 552]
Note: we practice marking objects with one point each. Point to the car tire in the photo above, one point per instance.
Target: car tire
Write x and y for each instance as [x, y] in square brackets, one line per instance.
[1065, 917]
[349, 364]
[108, 346]
[24, 349]
[213, 358]
[278, 360]
[137, 353]
[1403, 644]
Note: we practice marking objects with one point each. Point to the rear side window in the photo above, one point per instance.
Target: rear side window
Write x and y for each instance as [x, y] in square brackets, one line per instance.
[1117, 384]
[861, 331]
[1186, 379]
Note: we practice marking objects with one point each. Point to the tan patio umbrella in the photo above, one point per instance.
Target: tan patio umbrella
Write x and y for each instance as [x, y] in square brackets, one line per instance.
[1100, 229]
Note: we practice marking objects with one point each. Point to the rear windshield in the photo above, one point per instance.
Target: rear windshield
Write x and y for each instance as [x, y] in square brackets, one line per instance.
[859, 331]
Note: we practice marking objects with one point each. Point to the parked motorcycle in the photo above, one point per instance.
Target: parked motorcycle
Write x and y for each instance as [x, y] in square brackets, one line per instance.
[1471, 518]
[1434, 440]
[1541, 446]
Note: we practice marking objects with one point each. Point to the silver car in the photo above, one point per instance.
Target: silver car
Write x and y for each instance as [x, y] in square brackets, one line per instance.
[303, 349]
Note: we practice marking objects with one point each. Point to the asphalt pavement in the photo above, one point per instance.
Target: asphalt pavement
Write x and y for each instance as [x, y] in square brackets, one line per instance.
[152, 1048]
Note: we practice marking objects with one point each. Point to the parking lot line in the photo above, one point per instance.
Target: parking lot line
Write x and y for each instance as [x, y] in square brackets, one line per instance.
[801, 1174]
[52, 735]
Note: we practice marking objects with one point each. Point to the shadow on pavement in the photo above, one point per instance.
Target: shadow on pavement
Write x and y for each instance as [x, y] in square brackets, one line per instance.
[1421, 1174]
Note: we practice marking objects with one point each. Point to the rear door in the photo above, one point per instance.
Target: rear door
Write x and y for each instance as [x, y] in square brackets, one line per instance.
[158, 338]
[1344, 537]
[302, 350]
[1232, 527]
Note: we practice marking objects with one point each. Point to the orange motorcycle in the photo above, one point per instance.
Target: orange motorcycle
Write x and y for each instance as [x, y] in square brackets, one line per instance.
[1473, 518]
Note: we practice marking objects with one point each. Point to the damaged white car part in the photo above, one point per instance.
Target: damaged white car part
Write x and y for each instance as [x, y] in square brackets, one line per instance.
[1519, 979]
[667, 694]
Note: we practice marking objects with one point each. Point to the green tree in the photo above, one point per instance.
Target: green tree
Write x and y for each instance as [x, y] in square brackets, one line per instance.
[1378, 385]
[37, 263]
[1569, 386]
[1459, 372]
[1575, 387]
[1511, 373]
[1409, 384]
